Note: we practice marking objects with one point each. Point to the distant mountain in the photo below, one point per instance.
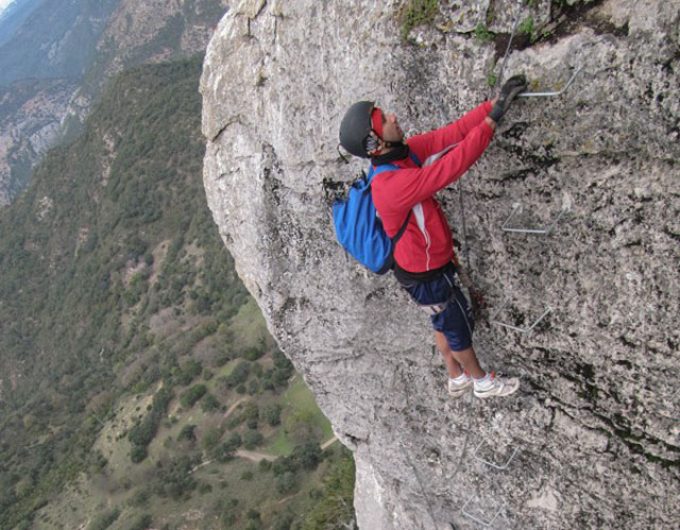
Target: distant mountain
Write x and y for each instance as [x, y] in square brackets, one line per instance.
[52, 38]
[62, 52]
[14, 15]
[31, 118]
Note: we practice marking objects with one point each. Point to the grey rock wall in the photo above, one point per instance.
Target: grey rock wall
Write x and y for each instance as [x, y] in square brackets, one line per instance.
[596, 420]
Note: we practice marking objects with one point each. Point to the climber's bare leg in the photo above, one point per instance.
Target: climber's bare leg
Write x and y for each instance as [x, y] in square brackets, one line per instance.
[452, 366]
[468, 359]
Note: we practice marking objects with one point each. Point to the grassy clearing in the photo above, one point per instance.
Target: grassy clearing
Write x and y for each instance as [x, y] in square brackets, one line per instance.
[223, 371]
[300, 398]
[280, 444]
[249, 328]
[299, 406]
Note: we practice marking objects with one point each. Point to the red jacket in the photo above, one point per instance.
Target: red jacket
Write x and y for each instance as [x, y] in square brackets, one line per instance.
[427, 243]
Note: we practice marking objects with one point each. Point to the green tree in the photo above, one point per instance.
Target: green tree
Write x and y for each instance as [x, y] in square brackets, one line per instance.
[209, 403]
[272, 414]
[211, 438]
[104, 520]
[251, 439]
[253, 354]
[239, 374]
[282, 521]
[142, 522]
[138, 453]
[174, 478]
[307, 455]
[192, 395]
[334, 510]
[251, 414]
[187, 433]
[189, 372]
[286, 483]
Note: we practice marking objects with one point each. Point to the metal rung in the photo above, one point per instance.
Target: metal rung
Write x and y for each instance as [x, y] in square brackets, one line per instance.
[517, 207]
[480, 517]
[525, 330]
[494, 464]
[553, 93]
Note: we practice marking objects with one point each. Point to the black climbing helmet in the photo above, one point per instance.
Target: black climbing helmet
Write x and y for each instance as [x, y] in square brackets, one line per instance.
[355, 128]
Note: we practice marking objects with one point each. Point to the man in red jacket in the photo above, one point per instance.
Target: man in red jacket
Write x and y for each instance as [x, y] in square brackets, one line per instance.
[424, 254]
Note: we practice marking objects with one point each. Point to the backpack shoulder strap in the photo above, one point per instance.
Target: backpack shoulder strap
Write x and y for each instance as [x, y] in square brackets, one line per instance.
[398, 235]
[374, 170]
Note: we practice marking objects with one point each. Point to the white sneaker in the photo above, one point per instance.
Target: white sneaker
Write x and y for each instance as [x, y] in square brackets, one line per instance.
[496, 386]
[458, 389]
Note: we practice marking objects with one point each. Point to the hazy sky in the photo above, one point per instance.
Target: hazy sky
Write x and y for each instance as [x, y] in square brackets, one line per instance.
[4, 4]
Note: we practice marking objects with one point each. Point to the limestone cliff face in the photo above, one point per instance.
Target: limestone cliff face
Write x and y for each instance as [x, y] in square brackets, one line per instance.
[596, 420]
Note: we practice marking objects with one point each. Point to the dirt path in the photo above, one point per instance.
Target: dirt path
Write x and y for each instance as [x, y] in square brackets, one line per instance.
[286, 499]
[199, 466]
[233, 407]
[254, 455]
[328, 443]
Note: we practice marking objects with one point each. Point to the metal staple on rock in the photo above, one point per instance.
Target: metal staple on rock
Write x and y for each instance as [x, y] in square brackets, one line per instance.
[547, 94]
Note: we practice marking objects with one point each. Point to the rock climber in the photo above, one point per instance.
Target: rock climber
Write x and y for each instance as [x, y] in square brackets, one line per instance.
[424, 255]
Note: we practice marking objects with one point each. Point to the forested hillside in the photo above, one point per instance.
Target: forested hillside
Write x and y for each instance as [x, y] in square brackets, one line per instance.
[135, 371]
[56, 57]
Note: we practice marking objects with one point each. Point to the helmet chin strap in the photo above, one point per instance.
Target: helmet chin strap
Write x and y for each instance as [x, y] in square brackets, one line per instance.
[389, 145]
[385, 145]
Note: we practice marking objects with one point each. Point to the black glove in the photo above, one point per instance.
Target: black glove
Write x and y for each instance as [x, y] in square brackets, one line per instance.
[513, 86]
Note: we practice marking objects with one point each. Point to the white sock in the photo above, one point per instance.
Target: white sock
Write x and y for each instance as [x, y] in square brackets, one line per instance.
[483, 382]
[462, 378]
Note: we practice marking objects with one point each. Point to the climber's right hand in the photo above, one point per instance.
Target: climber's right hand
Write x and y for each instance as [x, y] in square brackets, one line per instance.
[511, 88]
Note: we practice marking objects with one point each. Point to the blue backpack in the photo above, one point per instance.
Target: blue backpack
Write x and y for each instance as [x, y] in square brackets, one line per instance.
[358, 227]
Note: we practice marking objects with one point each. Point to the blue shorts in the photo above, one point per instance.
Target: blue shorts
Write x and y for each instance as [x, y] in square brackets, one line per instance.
[448, 307]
